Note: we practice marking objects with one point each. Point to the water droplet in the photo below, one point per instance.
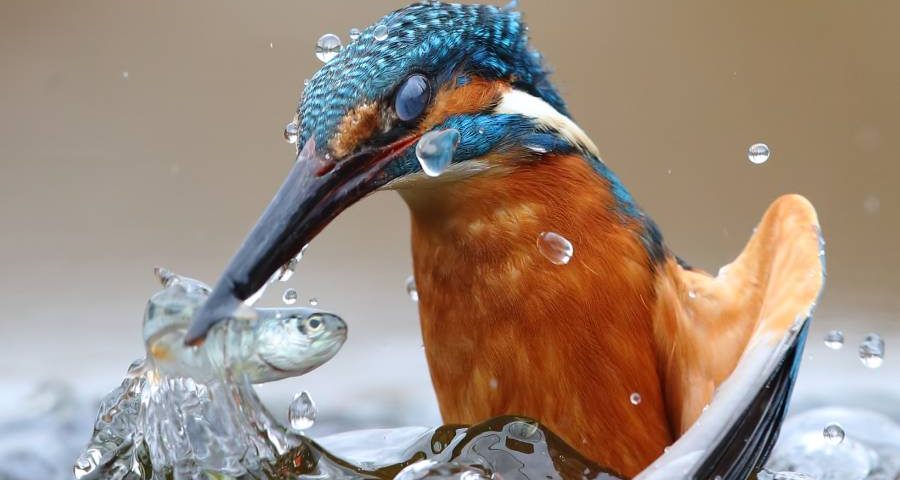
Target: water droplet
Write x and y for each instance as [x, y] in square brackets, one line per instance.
[411, 288]
[291, 132]
[834, 339]
[314, 301]
[354, 34]
[125, 75]
[635, 398]
[555, 247]
[758, 153]
[493, 383]
[271, 45]
[692, 294]
[833, 434]
[302, 412]
[435, 150]
[381, 32]
[871, 351]
[327, 47]
[290, 296]
[305, 82]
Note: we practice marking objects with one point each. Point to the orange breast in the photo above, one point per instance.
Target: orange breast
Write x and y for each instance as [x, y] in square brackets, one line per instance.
[507, 331]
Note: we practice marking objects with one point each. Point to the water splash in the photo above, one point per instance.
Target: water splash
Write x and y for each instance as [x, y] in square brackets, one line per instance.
[191, 412]
[869, 450]
[187, 411]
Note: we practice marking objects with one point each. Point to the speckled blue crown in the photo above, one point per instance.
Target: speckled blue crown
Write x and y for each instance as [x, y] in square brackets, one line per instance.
[431, 38]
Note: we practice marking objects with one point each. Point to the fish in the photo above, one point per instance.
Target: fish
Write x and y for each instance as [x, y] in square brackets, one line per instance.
[263, 344]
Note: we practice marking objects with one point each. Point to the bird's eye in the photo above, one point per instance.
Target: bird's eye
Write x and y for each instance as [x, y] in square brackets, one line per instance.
[412, 98]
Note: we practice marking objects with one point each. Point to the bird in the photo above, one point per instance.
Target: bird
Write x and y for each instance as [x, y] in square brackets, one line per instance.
[545, 290]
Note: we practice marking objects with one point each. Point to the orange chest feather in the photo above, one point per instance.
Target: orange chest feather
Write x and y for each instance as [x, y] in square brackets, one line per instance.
[507, 331]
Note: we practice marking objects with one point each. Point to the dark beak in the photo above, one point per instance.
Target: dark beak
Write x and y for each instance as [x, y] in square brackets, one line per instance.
[315, 191]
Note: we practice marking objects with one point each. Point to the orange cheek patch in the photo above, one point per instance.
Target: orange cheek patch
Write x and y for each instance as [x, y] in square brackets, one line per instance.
[476, 96]
[357, 126]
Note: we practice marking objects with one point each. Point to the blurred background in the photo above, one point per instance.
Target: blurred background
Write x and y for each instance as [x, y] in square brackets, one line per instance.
[136, 134]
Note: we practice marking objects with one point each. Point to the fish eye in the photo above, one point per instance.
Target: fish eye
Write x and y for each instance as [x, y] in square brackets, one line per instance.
[412, 97]
[314, 324]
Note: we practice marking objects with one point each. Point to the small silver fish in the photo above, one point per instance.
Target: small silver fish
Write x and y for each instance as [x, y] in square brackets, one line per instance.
[265, 344]
[293, 341]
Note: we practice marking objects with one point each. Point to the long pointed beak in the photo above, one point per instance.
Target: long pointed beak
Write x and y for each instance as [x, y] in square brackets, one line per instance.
[315, 191]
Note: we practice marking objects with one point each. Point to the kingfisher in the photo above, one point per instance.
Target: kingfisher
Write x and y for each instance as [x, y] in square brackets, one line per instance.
[618, 345]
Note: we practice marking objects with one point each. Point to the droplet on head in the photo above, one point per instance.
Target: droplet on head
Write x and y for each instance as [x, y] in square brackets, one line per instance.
[435, 150]
[302, 412]
[290, 296]
[833, 434]
[758, 153]
[327, 47]
[354, 34]
[555, 247]
[635, 398]
[381, 32]
[692, 294]
[871, 351]
[834, 339]
[314, 301]
[411, 288]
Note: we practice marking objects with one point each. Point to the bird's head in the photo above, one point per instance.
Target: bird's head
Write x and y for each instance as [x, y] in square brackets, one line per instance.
[466, 70]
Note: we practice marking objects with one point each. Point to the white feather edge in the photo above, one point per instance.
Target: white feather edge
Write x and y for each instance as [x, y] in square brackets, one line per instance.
[517, 102]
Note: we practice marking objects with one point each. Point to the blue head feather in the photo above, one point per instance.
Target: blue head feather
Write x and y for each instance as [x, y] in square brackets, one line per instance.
[431, 38]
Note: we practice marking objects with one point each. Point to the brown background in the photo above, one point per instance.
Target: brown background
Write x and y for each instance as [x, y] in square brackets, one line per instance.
[104, 176]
